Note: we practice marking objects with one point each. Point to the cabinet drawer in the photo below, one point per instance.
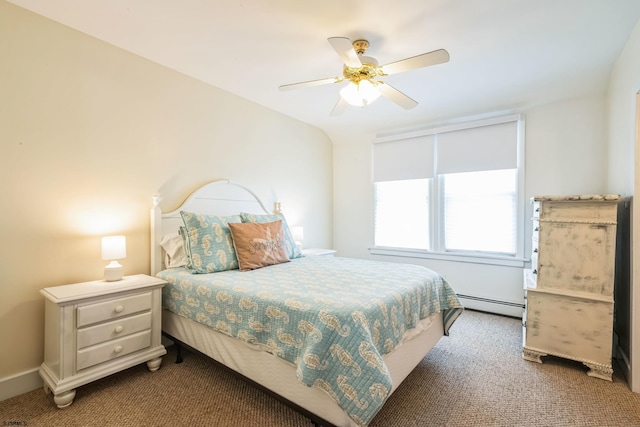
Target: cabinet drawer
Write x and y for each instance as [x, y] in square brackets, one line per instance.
[118, 328]
[592, 211]
[534, 261]
[536, 209]
[112, 349]
[524, 324]
[530, 279]
[112, 309]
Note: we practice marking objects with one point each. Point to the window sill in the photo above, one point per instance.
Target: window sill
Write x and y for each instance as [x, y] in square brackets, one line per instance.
[505, 261]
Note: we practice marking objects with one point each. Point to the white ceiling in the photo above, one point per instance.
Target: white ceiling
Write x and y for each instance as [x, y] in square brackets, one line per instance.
[506, 55]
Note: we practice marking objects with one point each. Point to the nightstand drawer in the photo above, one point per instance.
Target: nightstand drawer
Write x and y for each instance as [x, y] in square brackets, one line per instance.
[118, 328]
[112, 349]
[112, 309]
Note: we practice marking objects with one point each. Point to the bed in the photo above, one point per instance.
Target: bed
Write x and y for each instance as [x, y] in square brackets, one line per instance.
[332, 337]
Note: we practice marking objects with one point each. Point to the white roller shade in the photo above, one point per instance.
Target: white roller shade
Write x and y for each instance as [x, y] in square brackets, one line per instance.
[411, 158]
[491, 147]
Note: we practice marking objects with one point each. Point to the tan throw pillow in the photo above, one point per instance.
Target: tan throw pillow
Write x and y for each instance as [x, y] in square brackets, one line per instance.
[259, 244]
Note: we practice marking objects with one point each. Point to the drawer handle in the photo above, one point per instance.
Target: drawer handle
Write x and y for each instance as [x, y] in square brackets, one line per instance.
[535, 271]
[118, 349]
[536, 229]
[119, 329]
[535, 251]
[119, 309]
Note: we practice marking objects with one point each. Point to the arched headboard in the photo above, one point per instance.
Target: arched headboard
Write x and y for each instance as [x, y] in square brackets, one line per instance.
[221, 197]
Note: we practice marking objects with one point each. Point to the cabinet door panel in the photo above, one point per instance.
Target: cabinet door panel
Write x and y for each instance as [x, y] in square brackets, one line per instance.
[568, 326]
[577, 257]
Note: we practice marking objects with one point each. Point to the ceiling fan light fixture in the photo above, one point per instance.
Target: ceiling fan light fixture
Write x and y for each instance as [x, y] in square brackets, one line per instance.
[362, 73]
[360, 94]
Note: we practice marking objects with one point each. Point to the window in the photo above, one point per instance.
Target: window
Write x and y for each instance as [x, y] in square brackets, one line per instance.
[480, 211]
[402, 214]
[452, 192]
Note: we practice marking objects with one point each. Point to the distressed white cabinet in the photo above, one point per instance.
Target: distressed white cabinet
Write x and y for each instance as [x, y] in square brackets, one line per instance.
[94, 329]
[569, 288]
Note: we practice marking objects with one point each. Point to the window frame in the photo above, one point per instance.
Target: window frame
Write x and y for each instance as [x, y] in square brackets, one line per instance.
[436, 204]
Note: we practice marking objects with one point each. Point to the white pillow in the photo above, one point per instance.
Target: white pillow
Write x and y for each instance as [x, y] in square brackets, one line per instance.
[174, 254]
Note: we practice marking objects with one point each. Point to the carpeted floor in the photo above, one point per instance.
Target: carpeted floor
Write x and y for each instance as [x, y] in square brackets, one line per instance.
[474, 377]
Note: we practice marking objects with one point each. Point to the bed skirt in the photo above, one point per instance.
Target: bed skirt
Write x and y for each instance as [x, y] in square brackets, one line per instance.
[279, 376]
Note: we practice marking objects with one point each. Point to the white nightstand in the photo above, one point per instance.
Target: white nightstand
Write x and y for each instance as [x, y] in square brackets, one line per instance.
[98, 328]
[318, 252]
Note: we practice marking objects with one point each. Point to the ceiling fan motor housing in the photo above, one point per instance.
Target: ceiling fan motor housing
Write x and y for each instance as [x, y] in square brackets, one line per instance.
[367, 71]
[360, 46]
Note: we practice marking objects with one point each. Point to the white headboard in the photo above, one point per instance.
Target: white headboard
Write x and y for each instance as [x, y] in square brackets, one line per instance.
[220, 197]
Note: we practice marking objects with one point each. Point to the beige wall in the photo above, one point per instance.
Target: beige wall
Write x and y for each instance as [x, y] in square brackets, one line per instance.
[89, 133]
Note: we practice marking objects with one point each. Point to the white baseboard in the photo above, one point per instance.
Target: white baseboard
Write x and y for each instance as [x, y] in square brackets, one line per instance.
[491, 306]
[19, 384]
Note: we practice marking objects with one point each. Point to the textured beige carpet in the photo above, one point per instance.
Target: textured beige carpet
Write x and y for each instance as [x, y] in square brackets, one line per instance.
[474, 377]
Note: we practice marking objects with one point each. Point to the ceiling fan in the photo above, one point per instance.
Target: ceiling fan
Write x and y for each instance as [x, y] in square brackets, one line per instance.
[362, 72]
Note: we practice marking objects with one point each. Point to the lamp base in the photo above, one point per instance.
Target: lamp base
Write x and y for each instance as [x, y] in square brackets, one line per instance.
[113, 272]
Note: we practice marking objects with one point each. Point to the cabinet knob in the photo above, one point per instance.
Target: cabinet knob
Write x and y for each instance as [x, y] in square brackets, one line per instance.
[118, 349]
[119, 309]
[119, 329]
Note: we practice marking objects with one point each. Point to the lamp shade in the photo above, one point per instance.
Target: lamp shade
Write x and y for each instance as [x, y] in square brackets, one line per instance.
[360, 94]
[297, 233]
[114, 247]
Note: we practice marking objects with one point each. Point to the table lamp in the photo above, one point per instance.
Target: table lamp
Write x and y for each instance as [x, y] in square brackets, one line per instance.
[113, 249]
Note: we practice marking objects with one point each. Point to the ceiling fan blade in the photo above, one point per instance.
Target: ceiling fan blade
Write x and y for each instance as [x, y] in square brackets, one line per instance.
[396, 96]
[339, 108]
[344, 49]
[425, 60]
[310, 83]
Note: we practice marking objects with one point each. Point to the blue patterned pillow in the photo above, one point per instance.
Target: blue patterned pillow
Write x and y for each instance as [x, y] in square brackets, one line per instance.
[292, 249]
[209, 243]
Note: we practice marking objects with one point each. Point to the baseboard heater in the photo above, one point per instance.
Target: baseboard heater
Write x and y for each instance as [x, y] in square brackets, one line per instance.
[491, 301]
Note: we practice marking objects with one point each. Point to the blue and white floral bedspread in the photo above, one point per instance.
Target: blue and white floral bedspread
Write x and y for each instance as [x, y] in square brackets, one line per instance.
[332, 317]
